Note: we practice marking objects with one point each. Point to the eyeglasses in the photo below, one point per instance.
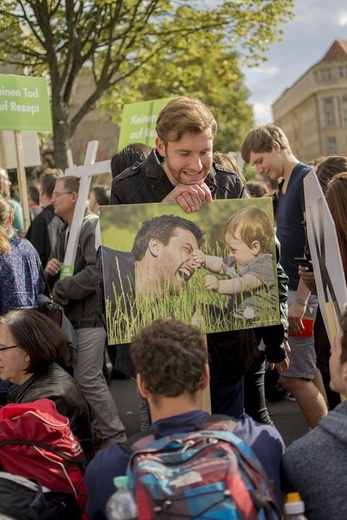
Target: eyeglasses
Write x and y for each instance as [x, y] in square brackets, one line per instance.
[56, 194]
[2, 347]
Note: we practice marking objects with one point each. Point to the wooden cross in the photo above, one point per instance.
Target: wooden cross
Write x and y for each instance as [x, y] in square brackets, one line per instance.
[88, 170]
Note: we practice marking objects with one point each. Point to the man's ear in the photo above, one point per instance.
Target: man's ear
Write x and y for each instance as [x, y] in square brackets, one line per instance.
[276, 147]
[154, 246]
[141, 386]
[159, 143]
[255, 247]
[74, 196]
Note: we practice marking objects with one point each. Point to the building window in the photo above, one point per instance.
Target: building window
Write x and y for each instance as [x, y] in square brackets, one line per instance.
[328, 102]
[344, 116]
[329, 119]
[343, 72]
[344, 99]
[329, 112]
[331, 146]
[326, 74]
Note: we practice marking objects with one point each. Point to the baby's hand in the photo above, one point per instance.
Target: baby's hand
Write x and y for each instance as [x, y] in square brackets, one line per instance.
[199, 258]
[211, 282]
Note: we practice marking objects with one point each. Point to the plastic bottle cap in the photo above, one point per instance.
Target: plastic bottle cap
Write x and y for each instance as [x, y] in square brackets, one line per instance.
[294, 505]
[121, 481]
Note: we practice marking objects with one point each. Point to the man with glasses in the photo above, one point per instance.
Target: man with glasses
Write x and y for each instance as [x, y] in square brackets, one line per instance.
[77, 293]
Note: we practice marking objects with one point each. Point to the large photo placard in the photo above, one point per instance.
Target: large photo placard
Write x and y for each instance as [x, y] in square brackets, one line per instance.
[215, 268]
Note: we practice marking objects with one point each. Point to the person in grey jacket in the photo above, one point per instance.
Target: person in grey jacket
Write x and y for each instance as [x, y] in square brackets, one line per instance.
[77, 293]
[315, 465]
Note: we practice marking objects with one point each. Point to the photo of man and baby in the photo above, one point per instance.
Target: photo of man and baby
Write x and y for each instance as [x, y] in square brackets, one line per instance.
[215, 268]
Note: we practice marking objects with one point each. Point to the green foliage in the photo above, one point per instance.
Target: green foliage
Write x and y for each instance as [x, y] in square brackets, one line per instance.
[115, 40]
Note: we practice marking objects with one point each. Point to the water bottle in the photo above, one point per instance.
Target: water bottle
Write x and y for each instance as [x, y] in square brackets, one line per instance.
[294, 507]
[121, 505]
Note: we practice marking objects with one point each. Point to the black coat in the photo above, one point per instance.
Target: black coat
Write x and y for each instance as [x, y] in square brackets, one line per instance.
[56, 384]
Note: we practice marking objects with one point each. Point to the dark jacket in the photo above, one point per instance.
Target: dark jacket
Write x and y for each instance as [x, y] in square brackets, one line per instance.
[43, 232]
[147, 182]
[80, 288]
[56, 384]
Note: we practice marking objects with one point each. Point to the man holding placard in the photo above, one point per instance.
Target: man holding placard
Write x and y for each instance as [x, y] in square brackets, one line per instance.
[181, 170]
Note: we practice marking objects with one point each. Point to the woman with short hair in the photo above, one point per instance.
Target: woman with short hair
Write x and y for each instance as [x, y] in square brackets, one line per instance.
[30, 346]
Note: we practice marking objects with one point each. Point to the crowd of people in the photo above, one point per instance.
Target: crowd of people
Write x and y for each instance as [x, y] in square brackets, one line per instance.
[173, 363]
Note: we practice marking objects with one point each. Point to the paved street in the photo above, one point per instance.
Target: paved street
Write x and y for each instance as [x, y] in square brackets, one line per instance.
[285, 414]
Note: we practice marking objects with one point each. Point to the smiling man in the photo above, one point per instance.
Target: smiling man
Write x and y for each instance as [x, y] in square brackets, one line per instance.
[161, 260]
[181, 170]
[163, 250]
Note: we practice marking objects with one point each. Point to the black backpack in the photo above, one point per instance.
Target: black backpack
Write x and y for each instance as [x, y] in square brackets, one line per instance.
[22, 498]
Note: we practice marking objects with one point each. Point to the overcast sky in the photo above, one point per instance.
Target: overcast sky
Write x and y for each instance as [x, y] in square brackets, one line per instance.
[307, 37]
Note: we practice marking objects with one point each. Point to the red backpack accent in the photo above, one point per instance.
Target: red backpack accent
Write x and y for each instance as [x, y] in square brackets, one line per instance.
[37, 442]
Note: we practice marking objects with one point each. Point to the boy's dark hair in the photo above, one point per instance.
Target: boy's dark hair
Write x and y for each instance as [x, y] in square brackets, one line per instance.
[256, 189]
[34, 193]
[170, 356]
[48, 179]
[129, 155]
[163, 228]
[102, 194]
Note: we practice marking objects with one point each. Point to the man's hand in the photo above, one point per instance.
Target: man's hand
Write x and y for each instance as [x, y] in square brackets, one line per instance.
[52, 268]
[58, 299]
[189, 197]
[211, 283]
[308, 278]
[281, 366]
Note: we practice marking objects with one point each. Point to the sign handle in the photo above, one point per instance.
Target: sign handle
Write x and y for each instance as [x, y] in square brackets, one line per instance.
[22, 181]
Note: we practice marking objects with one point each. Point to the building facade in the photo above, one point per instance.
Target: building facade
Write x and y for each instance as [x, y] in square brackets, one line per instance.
[313, 111]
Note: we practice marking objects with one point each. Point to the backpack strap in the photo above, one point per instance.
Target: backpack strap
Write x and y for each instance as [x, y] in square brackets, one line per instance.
[128, 445]
[212, 421]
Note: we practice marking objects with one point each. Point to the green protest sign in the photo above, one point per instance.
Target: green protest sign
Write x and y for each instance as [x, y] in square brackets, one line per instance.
[24, 104]
[138, 122]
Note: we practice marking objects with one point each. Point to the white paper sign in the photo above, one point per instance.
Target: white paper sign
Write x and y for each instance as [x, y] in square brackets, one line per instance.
[325, 252]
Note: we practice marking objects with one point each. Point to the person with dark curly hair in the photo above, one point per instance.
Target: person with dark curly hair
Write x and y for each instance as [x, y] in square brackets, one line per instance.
[171, 364]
